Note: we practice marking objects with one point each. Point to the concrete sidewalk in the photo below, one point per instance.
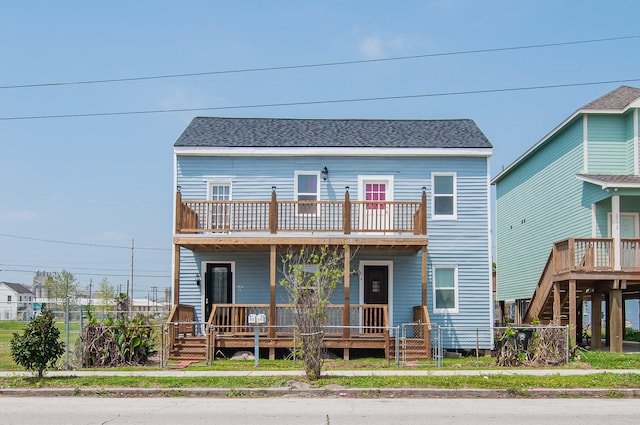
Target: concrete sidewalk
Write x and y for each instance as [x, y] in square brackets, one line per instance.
[303, 389]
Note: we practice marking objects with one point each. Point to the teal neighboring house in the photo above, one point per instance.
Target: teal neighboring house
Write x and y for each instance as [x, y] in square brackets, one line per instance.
[567, 220]
[407, 201]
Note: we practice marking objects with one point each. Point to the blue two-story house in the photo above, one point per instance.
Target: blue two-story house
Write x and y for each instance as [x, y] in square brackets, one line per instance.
[406, 200]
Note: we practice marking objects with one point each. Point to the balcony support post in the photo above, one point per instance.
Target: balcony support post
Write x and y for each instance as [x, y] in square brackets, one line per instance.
[176, 274]
[616, 323]
[573, 314]
[423, 274]
[596, 321]
[273, 212]
[346, 310]
[178, 223]
[423, 216]
[272, 293]
[346, 213]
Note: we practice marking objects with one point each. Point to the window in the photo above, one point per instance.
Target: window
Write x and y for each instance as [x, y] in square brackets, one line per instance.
[445, 284]
[375, 192]
[444, 195]
[9, 298]
[307, 189]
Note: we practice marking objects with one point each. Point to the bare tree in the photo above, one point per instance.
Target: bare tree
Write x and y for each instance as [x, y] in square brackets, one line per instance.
[310, 277]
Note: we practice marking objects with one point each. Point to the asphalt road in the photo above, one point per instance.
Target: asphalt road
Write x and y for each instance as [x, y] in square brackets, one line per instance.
[314, 411]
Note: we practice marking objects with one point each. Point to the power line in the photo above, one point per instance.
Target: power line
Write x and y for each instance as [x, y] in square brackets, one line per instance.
[96, 269]
[317, 102]
[95, 274]
[318, 65]
[80, 243]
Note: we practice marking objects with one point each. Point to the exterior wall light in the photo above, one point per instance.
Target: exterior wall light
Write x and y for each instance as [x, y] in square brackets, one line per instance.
[325, 174]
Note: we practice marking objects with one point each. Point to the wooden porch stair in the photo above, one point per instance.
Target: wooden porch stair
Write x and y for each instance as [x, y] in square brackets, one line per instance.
[189, 348]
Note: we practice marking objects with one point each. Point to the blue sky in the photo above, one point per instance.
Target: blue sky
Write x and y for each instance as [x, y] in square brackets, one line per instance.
[105, 180]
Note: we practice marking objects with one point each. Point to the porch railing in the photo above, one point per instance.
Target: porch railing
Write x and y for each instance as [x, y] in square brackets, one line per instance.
[232, 319]
[595, 254]
[344, 216]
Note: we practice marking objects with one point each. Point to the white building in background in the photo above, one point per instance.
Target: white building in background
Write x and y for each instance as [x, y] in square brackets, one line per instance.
[16, 301]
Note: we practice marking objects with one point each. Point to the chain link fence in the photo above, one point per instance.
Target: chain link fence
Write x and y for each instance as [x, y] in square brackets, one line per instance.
[410, 343]
[70, 320]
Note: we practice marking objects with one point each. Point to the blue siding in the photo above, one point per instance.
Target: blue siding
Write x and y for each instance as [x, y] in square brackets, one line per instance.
[463, 242]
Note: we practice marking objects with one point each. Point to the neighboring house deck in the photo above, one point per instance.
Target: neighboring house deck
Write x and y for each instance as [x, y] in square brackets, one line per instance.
[568, 220]
[252, 190]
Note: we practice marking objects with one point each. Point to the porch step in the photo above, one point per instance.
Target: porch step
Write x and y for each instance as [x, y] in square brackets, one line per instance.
[189, 348]
[414, 350]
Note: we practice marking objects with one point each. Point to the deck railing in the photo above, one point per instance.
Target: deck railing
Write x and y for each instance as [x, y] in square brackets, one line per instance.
[273, 216]
[232, 319]
[595, 254]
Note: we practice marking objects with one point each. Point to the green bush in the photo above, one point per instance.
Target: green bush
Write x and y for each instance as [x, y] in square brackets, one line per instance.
[39, 347]
[117, 342]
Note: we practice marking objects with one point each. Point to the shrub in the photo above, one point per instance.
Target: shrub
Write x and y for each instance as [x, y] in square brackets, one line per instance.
[39, 347]
[117, 342]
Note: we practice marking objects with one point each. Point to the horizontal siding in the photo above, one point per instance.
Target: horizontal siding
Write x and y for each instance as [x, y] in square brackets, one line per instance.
[538, 203]
[463, 242]
[608, 145]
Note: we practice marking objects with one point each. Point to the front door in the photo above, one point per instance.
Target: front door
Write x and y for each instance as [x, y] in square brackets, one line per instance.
[376, 291]
[376, 284]
[218, 286]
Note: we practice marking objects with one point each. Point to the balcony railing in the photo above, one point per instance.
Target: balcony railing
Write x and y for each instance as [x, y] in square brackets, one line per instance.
[595, 254]
[274, 216]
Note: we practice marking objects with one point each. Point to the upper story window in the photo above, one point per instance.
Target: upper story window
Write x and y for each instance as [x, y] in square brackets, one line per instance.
[444, 196]
[445, 287]
[9, 298]
[307, 188]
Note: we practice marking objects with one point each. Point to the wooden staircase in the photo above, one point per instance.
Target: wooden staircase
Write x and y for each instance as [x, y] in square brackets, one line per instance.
[541, 305]
[192, 348]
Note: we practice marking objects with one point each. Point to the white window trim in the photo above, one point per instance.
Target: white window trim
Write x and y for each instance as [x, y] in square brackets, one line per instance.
[455, 287]
[389, 265]
[219, 182]
[375, 178]
[453, 216]
[295, 187]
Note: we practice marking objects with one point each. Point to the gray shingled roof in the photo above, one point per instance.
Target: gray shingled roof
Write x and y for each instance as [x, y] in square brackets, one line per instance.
[18, 288]
[612, 180]
[617, 99]
[278, 132]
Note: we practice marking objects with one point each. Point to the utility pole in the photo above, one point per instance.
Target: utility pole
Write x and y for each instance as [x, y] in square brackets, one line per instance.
[131, 279]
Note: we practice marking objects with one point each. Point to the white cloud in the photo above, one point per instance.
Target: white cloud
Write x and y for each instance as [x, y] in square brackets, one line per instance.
[111, 236]
[376, 46]
[18, 216]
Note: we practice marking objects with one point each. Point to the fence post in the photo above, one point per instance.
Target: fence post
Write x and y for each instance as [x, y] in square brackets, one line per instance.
[397, 346]
[66, 332]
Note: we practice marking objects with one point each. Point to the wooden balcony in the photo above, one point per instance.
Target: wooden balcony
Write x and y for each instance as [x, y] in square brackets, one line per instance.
[588, 269]
[584, 257]
[261, 222]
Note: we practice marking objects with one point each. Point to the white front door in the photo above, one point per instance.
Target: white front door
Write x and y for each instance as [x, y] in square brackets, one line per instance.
[375, 214]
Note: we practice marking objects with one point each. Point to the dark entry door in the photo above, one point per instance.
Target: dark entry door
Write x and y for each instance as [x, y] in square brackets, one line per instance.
[376, 284]
[218, 286]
